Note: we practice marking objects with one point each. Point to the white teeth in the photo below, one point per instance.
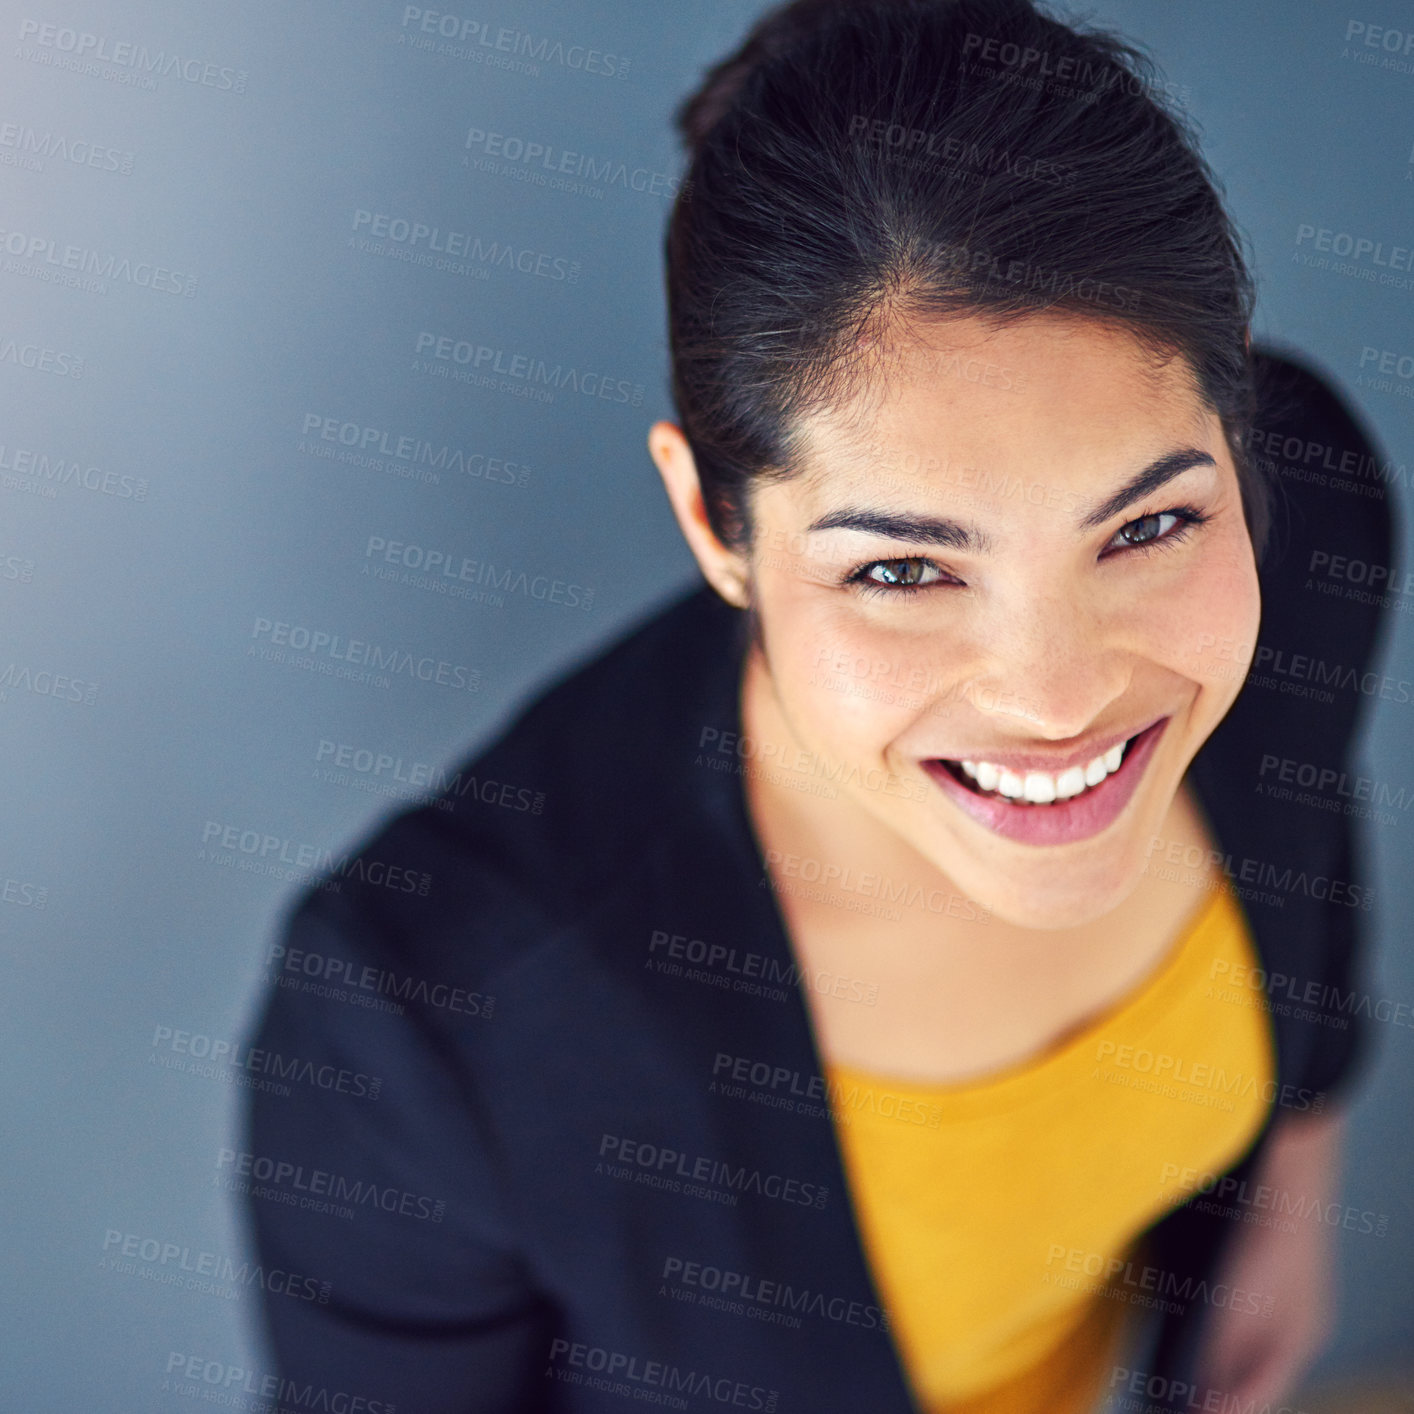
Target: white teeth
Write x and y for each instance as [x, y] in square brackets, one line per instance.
[1010, 784]
[1039, 787]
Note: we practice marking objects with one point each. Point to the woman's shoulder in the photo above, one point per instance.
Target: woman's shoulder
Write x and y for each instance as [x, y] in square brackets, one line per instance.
[1329, 585]
[1333, 488]
[594, 771]
[1329, 578]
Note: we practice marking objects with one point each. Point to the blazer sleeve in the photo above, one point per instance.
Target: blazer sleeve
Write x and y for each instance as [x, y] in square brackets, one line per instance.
[1332, 495]
[1344, 999]
[424, 1303]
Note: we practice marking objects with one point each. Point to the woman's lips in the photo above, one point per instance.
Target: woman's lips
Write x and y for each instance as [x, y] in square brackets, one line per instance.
[1062, 821]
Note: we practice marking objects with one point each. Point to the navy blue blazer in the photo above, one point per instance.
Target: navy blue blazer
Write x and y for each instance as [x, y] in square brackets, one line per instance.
[509, 1160]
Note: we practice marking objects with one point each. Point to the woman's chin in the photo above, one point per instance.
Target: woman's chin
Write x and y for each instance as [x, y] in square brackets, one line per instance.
[1057, 914]
[1042, 900]
[1066, 887]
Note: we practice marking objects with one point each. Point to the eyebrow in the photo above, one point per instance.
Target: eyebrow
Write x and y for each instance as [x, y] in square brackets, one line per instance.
[1153, 476]
[920, 530]
[960, 535]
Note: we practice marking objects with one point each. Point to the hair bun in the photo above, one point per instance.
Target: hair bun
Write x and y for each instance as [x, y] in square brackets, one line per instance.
[773, 34]
[784, 26]
[852, 166]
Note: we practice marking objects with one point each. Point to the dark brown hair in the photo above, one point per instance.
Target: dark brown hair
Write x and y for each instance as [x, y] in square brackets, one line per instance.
[859, 162]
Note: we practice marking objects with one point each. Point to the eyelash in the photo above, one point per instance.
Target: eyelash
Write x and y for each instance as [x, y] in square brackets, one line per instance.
[1189, 517]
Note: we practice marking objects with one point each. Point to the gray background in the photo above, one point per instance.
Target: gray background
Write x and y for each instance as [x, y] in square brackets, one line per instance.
[200, 402]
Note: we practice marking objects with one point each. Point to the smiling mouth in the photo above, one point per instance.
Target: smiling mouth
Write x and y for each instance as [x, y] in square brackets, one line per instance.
[1038, 788]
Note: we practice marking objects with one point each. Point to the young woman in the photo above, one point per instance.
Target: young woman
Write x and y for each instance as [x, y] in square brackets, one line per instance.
[867, 1022]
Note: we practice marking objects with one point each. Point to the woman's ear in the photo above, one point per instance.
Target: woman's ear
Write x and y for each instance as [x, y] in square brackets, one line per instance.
[724, 569]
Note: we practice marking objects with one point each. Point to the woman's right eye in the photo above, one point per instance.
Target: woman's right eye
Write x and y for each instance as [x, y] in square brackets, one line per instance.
[904, 576]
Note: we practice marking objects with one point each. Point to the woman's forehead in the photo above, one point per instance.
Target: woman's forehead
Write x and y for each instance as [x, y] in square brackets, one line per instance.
[1046, 391]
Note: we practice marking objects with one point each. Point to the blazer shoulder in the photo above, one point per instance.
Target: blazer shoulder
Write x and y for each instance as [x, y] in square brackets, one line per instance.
[1328, 475]
[527, 833]
[1329, 564]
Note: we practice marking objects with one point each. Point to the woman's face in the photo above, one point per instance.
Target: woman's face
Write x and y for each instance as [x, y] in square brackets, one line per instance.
[1016, 551]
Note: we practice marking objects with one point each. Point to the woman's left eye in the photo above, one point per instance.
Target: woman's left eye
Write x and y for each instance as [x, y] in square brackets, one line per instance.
[902, 576]
[1160, 530]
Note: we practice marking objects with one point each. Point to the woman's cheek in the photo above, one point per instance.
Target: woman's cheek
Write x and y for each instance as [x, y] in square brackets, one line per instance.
[1205, 625]
[859, 687]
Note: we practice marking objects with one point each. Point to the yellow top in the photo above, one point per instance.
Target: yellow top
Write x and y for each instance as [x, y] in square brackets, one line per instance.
[1001, 1216]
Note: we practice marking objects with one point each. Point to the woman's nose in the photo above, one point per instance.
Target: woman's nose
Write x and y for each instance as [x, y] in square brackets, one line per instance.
[1051, 661]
